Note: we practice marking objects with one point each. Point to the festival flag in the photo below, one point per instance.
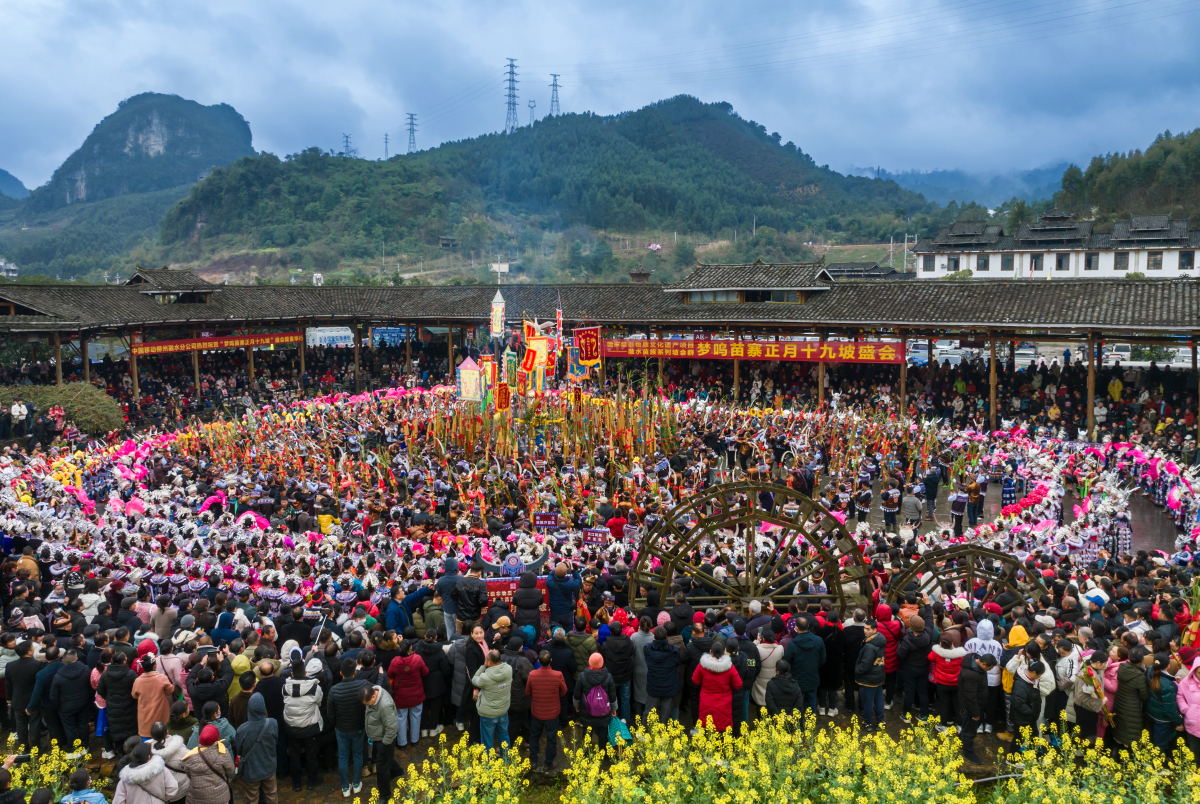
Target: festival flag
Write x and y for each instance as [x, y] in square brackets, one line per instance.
[530, 361]
[498, 315]
[503, 398]
[587, 340]
[558, 321]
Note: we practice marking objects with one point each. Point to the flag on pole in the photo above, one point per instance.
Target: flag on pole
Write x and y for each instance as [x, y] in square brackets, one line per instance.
[558, 320]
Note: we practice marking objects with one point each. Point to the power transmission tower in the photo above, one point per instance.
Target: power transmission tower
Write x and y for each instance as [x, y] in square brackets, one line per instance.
[385, 146]
[412, 132]
[347, 150]
[511, 122]
[532, 104]
[554, 95]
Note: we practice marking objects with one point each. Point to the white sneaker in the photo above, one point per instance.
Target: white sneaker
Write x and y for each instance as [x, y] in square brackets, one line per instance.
[459, 726]
[345, 792]
[821, 711]
[424, 732]
[832, 712]
[987, 729]
[437, 731]
[108, 754]
[358, 788]
[887, 705]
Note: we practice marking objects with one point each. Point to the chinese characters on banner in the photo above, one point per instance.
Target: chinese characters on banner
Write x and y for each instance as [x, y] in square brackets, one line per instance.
[815, 351]
[497, 316]
[231, 342]
[587, 340]
[503, 397]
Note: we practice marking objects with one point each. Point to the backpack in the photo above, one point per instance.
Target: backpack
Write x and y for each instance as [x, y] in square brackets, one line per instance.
[595, 703]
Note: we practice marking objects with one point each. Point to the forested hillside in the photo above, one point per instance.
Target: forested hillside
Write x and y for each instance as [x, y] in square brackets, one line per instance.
[151, 143]
[1165, 178]
[679, 165]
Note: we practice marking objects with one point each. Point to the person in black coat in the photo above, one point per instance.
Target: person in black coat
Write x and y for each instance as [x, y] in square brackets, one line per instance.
[662, 675]
[682, 614]
[913, 655]
[617, 651]
[745, 662]
[562, 659]
[207, 684]
[527, 603]
[783, 693]
[852, 640]
[437, 683]
[833, 672]
[72, 696]
[19, 679]
[116, 688]
[973, 699]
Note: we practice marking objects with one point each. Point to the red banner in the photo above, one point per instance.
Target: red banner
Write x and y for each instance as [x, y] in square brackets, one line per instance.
[231, 342]
[503, 397]
[812, 351]
[587, 340]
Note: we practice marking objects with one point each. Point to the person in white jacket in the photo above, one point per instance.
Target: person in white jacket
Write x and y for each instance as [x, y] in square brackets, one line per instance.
[302, 714]
[984, 642]
[1066, 669]
[1045, 682]
[769, 653]
[19, 414]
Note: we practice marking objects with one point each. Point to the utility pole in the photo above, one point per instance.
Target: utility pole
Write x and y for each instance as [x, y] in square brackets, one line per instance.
[347, 151]
[385, 146]
[412, 132]
[511, 123]
[554, 95]
[532, 105]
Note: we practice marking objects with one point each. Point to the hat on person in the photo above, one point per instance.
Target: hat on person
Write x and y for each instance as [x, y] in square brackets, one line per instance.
[595, 661]
[608, 596]
[209, 735]
[503, 622]
[1044, 619]
[187, 622]
[314, 666]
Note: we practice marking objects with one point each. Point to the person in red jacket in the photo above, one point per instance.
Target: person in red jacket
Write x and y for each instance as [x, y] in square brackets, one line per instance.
[717, 680]
[892, 632]
[546, 688]
[407, 677]
[946, 660]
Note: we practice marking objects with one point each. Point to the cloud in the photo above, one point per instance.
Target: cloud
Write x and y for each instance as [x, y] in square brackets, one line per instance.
[974, 84]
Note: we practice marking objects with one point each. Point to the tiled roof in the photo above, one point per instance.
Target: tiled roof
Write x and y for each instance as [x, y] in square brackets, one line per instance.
[1150, 227]
[1072, 304]
[840, 270]
[168, 279]
[755, 276]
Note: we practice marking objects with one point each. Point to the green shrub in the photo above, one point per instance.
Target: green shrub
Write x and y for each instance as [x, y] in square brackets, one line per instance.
[90, 409]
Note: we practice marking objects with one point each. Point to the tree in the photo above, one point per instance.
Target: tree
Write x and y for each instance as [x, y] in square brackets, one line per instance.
[685, 255]
[600, 257]
[575, 257]
[1018, 213]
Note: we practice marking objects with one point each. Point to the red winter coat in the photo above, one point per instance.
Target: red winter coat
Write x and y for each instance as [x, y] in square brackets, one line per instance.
[717, 680]
[406, 675]
[892, 632]
[946, 662]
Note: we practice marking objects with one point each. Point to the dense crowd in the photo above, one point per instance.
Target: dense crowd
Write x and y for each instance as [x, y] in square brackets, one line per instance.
[305, 589]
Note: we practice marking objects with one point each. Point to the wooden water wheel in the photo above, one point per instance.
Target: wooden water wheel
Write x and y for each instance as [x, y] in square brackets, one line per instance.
[967, 566]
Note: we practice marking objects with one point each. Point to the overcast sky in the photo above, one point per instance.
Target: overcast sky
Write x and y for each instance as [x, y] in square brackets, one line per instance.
[984, 85]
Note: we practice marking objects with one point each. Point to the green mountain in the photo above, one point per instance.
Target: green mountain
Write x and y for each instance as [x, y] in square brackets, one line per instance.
[152, 142]
[11, 186]
[679, 165]
[1165, 178]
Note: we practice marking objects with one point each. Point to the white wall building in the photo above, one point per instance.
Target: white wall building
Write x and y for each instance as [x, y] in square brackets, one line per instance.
[1059, 247]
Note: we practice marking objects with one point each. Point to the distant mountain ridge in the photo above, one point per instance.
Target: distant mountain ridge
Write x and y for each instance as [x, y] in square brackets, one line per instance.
[151, 143]
[989, 190]
[11, 186]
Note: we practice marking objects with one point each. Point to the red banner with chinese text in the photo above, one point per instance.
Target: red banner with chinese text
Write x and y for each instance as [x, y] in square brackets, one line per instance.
[587, 341]
[813, 351]
[230, 342]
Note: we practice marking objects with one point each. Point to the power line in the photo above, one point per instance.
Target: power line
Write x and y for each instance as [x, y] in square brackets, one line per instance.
[511, 123]
[412, 132]
[532, 104]
[554, 110]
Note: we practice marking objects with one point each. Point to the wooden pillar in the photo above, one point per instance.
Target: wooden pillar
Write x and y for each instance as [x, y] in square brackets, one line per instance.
[303, 345]
[250, 359]
[408, 332]
[133, 369]
[903, 373]
[820, 372]
[450, 351]
[87, 363]
[737, 377]
[1012, 357]
[57, 359]
[1091, 388]
[929, 345]
[992, 383]
[196, 366]
[357, 332]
